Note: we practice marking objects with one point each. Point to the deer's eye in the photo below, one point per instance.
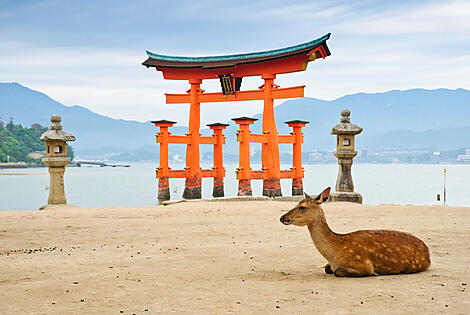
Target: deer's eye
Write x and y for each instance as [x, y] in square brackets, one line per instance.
[302, 208]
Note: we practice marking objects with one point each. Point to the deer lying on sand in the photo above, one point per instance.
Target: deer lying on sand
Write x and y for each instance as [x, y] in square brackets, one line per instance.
[360, 253]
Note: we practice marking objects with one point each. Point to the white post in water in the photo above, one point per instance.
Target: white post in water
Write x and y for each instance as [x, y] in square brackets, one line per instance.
[445, 196]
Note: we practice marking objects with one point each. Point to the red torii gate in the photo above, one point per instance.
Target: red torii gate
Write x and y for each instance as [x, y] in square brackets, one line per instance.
[244, 172]
[230, 70]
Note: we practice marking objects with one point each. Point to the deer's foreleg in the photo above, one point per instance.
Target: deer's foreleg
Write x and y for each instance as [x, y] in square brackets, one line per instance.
[350, 272]
[328, 269]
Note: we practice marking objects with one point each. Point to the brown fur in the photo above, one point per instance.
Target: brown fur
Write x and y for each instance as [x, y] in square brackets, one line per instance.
[360, 253]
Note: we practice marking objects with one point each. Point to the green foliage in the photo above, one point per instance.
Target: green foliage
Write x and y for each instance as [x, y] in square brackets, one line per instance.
[70, 152]
[17, 142]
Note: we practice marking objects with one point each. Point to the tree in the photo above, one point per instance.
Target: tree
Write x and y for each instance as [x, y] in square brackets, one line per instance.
[36, 126]
[17, 142]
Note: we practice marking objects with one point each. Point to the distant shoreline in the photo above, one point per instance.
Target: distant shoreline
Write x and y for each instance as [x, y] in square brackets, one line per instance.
[24, 165]
[23, 173]
[11, 165]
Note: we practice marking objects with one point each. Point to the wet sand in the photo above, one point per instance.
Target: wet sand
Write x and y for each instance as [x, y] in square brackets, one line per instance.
[219, 257]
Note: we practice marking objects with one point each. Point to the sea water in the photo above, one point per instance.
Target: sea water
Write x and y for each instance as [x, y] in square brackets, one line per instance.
[137, 185]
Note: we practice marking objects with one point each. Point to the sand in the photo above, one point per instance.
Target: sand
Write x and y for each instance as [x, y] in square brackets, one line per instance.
[217, 258]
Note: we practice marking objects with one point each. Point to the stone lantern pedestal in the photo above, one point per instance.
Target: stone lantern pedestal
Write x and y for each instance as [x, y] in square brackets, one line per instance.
[56, 171]
[345, 153]
[56, 159]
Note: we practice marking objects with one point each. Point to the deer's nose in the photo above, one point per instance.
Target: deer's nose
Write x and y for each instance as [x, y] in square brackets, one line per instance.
[284, 220]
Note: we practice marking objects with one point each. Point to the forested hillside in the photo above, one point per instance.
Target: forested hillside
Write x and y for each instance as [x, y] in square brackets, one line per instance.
[16, 142]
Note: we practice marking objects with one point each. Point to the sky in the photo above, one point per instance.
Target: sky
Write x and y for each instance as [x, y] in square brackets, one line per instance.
[89, 53]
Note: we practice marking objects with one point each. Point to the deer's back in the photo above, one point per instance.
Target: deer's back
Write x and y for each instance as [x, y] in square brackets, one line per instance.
[391, 252]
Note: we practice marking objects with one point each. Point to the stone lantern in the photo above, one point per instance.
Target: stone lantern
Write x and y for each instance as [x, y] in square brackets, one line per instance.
[345, 132]
[56, 159]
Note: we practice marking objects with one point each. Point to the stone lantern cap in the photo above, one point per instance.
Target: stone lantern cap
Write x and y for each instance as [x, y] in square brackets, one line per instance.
[345, 127]
[55, 131]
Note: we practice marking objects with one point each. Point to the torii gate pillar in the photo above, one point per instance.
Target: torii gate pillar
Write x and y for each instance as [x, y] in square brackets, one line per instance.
[270, 150]
[192, 189]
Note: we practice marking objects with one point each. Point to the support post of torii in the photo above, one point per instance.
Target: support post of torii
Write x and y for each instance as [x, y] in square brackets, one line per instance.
[270, 159]
[192, 187]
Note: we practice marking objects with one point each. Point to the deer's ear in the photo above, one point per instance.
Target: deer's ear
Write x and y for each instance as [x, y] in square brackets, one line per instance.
[323, 197]
[307, 196]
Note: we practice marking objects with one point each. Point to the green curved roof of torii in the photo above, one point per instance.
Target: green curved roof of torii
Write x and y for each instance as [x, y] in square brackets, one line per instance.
[261, 54]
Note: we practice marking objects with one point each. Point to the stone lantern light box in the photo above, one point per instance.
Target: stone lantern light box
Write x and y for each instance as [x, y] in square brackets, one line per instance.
[56, 139]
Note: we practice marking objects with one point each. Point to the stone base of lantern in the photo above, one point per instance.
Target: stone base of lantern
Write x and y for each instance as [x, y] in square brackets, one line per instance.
[345, 196]
[56, 170]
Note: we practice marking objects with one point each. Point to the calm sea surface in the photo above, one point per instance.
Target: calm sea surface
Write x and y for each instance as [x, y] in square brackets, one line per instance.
[137, 186]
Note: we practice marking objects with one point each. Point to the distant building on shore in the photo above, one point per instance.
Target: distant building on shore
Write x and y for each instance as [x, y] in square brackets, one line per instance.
[37, 154]
[464, 158]
[365, 154]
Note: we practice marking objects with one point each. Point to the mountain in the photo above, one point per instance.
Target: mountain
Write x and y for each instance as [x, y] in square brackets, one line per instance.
[414, 118]
[417, 118]
[94, 132]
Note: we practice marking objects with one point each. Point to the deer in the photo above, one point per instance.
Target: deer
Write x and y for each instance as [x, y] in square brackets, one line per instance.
[360, 253]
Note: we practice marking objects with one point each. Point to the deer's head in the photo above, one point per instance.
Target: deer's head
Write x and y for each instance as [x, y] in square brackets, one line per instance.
[307, 210]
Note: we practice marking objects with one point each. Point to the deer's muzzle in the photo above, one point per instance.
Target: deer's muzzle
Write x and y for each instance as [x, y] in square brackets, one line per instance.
[284, 220]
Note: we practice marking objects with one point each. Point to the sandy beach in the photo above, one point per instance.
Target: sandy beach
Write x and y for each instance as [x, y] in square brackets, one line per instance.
[219, 257]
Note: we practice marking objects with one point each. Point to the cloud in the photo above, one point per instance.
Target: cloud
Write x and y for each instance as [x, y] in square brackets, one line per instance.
[432, 18]
[89, 53]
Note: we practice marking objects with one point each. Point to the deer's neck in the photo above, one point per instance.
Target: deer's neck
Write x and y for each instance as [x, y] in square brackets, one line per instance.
[323, 237]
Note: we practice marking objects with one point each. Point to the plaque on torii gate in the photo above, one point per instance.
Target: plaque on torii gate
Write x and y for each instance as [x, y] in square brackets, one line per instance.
[230, 69]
